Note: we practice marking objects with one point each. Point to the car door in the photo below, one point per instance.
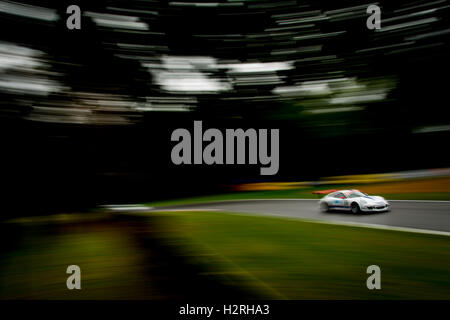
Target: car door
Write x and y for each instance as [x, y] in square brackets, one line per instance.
[339, 201]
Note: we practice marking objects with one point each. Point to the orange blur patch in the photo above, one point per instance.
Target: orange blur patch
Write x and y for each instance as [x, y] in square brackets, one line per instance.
[265, 186]
[324, 191]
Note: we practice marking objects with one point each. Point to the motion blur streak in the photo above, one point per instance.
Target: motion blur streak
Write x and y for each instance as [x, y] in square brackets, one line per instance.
[29, 11]
[86, 117]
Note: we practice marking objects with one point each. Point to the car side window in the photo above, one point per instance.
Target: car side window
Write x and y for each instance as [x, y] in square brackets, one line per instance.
[339, 195]
[353, 195]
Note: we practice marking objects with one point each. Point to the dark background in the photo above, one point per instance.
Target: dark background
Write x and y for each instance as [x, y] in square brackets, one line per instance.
[55, 165]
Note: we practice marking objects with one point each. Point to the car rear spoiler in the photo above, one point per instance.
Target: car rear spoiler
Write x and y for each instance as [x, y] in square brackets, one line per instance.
[322, 192]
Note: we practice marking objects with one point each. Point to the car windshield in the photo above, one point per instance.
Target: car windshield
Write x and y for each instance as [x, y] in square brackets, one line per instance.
[356, 194]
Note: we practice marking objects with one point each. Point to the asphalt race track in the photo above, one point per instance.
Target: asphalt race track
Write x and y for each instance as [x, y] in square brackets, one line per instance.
[428, 215]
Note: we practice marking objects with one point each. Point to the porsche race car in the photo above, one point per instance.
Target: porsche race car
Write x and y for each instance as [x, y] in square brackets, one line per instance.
[354, 201]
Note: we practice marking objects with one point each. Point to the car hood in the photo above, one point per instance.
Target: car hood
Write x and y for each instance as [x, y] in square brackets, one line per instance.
[374, 200]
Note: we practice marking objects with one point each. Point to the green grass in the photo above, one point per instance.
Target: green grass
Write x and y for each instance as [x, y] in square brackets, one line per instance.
[292, 259]
[276, 258]
[111, 265]
[300, 193]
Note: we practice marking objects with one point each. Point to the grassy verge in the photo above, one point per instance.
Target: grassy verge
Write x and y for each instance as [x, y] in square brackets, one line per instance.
[439, 196]
[278, 194]
[291, 259]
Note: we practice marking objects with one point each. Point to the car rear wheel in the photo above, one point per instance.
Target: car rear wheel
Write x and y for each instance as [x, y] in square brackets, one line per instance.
[324, 207]
[355, 208]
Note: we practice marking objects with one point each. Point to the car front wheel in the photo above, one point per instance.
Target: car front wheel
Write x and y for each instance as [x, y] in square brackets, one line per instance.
[355, 208]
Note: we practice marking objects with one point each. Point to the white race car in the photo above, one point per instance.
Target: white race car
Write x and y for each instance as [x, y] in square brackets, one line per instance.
[354, 201]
